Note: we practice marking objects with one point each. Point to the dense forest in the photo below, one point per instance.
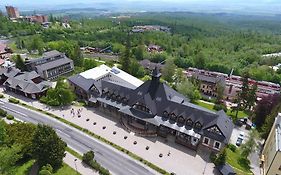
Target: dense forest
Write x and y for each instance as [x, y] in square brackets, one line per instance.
[217, 42]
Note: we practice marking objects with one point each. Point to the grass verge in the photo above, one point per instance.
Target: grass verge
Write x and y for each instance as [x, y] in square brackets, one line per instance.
[233, 159]
[134, 156]
[74, 153]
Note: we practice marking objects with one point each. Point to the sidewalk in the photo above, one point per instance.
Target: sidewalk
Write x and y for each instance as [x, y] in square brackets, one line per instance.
[181, 160]
[77, 165]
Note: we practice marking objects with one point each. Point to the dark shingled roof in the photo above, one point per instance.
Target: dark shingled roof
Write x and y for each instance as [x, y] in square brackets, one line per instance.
[55, 63]
[159, 98]
[24, 83]
[9, 72]
[226, 169]
[82, 82]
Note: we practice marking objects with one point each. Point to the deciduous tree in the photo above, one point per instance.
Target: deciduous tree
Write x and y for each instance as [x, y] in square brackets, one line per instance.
[48, 148]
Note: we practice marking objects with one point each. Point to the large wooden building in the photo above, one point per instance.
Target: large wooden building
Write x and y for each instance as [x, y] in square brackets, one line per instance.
[153, 108]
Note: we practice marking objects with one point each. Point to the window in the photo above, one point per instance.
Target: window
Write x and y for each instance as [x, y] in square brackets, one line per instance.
[198, 125]
[181, 120]
[189, 122]
[217, 145]
[206, 141]
[173, 117]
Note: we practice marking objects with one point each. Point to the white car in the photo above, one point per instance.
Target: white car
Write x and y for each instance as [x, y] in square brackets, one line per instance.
[241, 135]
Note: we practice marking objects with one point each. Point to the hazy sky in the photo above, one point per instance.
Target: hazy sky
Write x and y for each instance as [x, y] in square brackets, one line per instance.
[266, 6]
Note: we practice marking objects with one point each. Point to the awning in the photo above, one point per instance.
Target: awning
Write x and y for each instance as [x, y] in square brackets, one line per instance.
[140, 115]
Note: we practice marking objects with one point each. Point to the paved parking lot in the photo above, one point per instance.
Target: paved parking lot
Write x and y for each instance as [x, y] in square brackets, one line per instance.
[235, 133]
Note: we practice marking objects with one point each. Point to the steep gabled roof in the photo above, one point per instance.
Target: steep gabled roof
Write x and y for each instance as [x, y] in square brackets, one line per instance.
[82, 82]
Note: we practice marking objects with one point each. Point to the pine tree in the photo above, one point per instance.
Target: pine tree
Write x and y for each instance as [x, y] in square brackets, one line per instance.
[126, 57]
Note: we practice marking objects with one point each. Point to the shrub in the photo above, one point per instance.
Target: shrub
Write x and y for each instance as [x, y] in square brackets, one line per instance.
[213, 157]
[1, 96]
[232, 147]
[244, 162]
[13, 100]
[88, 157]
[219, 107]
[3, 113]
[10, 117]
[221, 158]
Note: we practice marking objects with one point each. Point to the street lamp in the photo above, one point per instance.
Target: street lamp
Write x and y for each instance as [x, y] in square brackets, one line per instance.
[75, 165]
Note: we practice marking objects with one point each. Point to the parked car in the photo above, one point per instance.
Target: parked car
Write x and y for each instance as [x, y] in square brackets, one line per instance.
[240, 138]
[239, 123]
[239, 141]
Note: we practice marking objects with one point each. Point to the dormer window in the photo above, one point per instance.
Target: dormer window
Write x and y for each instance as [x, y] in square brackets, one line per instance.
[181, 120]
[189, 122]
[173, 117]
[142, 107]
[198, 125]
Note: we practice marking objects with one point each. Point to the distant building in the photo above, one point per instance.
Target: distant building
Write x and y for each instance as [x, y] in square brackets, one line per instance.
[12, 12]
[154, 48]
[147, 64]
[271, 153]
[29, 84]
[209, 81]
[37, 18]
[52, 65]
[138, 29]
[232, 84]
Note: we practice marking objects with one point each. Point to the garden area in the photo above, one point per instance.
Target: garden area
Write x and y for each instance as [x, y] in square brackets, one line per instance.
[210, 106]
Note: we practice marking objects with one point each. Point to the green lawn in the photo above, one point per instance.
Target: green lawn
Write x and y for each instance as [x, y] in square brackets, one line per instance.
[232, 159]
[66, 170]
[23, 169]
[205, 105]
[241, 114]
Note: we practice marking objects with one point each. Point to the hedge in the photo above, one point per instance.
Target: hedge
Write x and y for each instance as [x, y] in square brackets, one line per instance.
[13, 100]
[3, 113]
[10, 117]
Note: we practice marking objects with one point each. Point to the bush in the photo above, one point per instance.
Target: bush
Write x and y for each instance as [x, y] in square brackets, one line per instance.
[213, 157]
[10, 117]
[1, 96]
[88, 157]
[232, 147]
[3, 113]
[219, 107]
[13, 100]
[244, 162]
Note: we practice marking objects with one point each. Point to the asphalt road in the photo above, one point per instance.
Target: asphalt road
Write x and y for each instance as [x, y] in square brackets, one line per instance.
[116, 162]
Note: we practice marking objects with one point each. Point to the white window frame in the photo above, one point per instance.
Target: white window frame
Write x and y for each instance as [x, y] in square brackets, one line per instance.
[204, 141]
[214, 146]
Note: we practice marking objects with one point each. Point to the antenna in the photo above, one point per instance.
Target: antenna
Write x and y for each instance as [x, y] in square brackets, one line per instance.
[231, 72]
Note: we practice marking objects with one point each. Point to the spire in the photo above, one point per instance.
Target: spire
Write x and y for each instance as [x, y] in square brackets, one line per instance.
[156, 74]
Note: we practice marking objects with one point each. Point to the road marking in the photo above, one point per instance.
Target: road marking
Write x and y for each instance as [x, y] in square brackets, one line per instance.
[60, 131]
[17, 112]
